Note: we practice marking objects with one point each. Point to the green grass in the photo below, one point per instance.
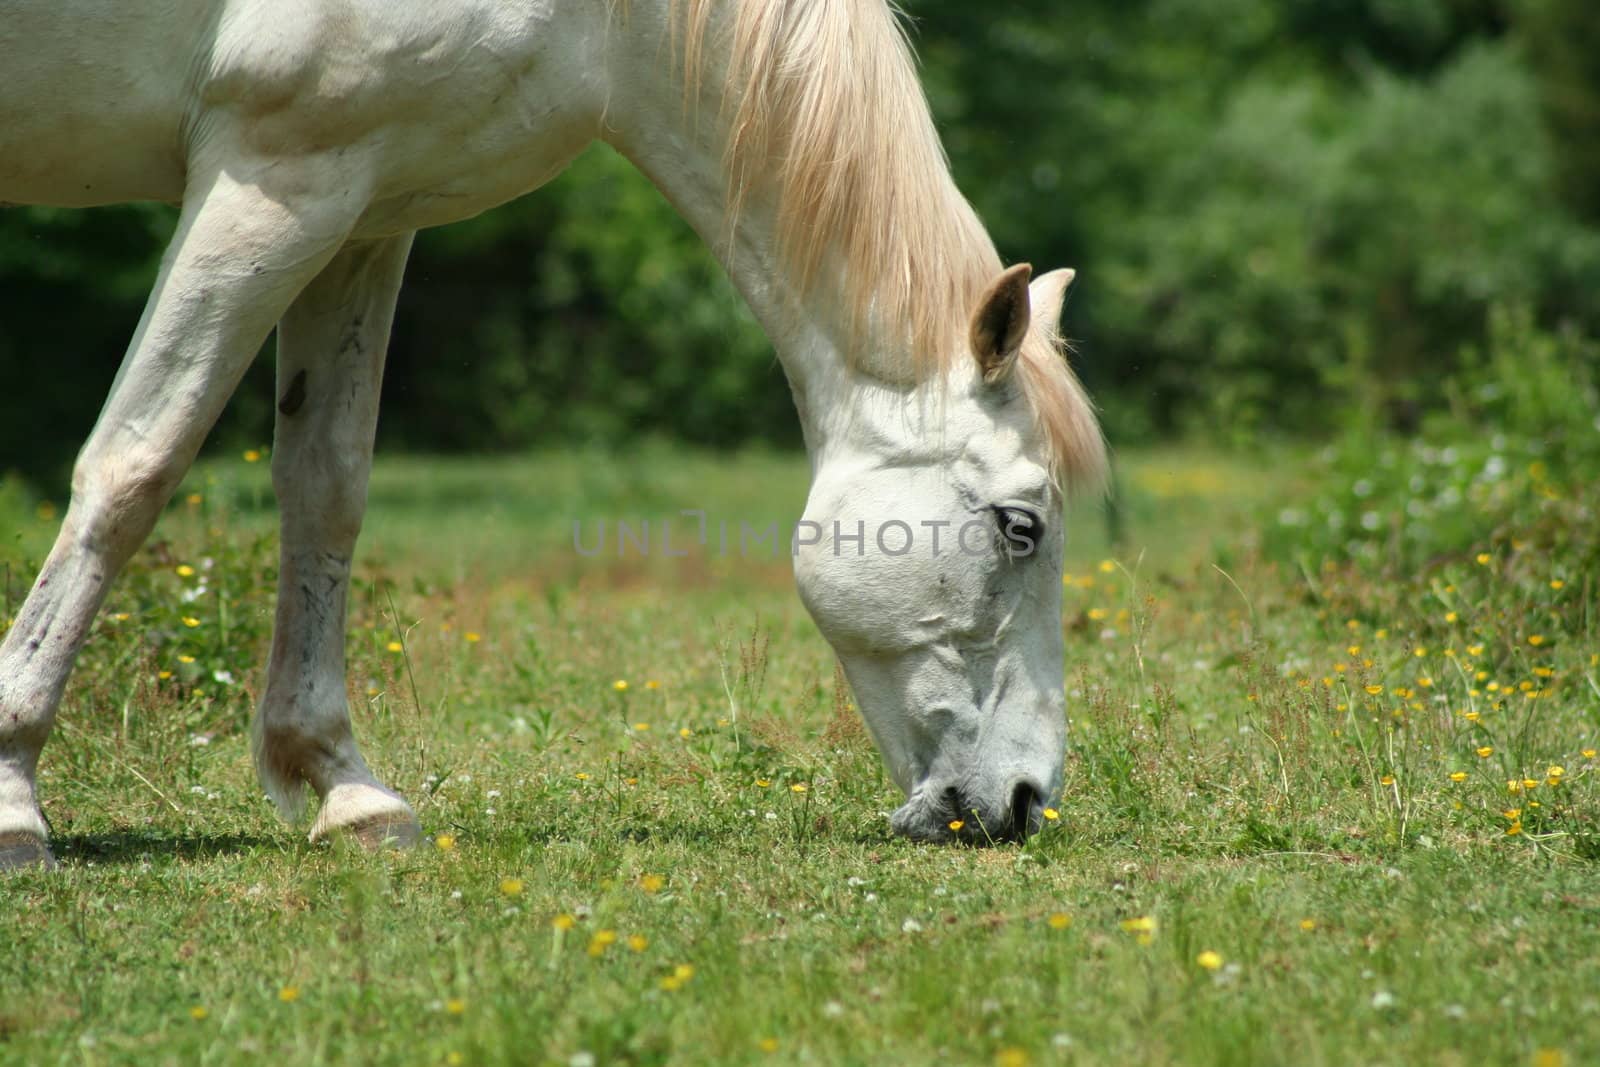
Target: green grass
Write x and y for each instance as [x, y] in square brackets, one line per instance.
[1227, 781]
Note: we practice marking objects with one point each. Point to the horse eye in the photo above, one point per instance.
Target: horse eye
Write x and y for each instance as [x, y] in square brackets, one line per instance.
[1021, 529]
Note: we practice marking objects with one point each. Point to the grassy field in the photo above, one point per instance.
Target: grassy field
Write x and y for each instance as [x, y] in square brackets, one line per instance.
[1311, 816]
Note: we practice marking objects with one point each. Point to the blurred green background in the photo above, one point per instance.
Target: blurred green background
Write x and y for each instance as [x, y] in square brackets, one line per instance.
[1289, 217]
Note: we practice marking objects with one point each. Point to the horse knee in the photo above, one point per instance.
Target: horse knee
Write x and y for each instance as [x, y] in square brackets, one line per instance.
[116, 498]
[323, 499]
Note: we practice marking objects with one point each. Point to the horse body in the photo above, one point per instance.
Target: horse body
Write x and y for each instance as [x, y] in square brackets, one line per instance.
[307, 141]
[431, 119]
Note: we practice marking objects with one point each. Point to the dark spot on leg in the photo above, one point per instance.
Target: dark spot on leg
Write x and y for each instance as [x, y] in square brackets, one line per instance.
[295, 396]
[352, 342]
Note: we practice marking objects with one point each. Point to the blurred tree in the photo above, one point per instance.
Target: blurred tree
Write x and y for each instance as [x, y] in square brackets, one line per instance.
[72, 285]
[1563, 42]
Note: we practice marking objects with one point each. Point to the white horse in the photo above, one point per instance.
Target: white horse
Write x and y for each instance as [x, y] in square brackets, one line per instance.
[307, 140]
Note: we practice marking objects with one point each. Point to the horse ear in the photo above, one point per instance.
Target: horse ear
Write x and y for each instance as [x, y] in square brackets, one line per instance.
[1001, 322]
[1046, 294]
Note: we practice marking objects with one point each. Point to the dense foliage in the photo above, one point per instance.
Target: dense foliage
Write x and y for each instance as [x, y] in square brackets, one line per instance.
[1275, 206]
[1503, 466]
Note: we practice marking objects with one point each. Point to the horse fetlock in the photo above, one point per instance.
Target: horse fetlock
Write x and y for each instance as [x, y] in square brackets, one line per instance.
[19, 808]
[294, 751]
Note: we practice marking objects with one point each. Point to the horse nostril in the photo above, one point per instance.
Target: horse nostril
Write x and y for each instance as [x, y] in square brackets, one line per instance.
[1027, 808]
[952, 802]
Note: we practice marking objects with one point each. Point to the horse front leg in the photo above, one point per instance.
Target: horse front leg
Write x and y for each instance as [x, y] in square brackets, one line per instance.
[331, 347]
[247, 241]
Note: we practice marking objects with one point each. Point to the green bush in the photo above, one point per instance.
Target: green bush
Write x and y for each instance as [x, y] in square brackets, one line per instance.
[1505, 463]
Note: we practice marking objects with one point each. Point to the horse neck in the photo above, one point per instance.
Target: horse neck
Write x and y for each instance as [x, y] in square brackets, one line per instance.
[804, 326]
[676, 138]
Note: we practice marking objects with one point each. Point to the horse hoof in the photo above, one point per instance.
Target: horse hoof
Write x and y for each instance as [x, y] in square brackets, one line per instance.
[397, 830]
[22, 851]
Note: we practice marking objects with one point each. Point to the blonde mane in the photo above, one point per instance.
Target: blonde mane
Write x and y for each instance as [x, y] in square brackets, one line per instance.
[826, 112]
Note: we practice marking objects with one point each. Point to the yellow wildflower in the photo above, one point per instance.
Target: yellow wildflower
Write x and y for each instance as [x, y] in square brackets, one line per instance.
[395, 646]
[620, 685]
[199, 1012]
[1210, 960]
[768, 1044]
[638, 942]
[445, 842]
[652, 883]
[1485, 752]
[252, 455]
[455, 1006]
[1458, 776]
[289, 994]
[798, 787]
[1536, 640]
[1059, 921]
[185, 571]
[1374, 690]
[1051, 814]
[564, 921]
[511, 887]
[190, 621]
[1308, 925]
